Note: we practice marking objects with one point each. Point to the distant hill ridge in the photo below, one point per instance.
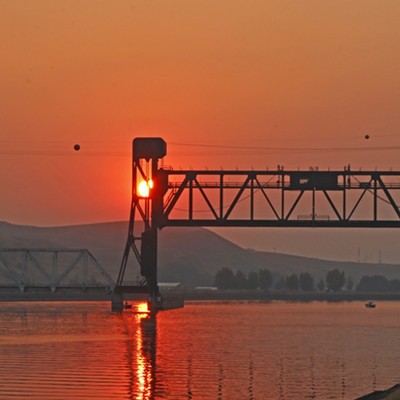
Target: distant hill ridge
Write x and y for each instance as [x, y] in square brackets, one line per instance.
[188, 255]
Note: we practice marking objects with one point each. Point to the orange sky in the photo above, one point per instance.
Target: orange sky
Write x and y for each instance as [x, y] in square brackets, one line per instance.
[291, 74]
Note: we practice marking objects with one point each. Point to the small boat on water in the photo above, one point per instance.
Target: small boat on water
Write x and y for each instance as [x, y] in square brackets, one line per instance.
[127, 305]
[370, 304]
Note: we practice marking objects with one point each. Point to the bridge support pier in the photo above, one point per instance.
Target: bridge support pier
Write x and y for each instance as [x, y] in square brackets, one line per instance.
[155, 303]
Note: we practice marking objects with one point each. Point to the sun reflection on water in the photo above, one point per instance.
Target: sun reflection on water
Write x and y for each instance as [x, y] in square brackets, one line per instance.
[145, 353]
[142, 309]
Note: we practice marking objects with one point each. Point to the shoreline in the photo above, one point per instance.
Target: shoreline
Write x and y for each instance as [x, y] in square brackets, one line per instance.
[195, 294]
[392, 393]
[285, 296]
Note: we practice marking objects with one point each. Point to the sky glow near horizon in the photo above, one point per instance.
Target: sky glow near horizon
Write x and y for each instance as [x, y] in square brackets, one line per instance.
[294, 83]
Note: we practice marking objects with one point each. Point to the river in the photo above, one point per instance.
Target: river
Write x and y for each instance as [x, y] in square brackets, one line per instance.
[207, 350]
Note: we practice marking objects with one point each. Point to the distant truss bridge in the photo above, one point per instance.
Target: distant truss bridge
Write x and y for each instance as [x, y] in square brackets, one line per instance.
[52, 272]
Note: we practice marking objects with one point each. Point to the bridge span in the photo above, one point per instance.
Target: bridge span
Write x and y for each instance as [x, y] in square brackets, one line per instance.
[60, 274]
[52, 274]
[163, 197]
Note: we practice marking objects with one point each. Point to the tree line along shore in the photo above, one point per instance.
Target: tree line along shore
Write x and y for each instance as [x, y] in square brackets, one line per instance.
[335, 281]
[273, 295]
[263, 285]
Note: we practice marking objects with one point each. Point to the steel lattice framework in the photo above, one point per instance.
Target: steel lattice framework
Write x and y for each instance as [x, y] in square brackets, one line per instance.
[367, 199]
[52, 269]
[246, 198]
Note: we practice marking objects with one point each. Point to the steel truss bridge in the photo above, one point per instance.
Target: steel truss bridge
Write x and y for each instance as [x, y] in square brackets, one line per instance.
[278, 198]
[52, 273]
[163, 197]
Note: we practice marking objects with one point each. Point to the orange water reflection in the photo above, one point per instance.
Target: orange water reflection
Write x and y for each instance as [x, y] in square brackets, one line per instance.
[141, 351]
[145, 354]
[142, 309]
[205, 351]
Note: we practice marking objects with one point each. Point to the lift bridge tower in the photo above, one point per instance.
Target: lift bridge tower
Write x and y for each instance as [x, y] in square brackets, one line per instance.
[146, 207]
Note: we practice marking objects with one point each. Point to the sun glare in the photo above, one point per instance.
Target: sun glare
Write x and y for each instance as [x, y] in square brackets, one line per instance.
[144, 188]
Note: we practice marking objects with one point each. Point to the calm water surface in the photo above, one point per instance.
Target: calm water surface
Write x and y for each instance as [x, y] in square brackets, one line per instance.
[208, 350]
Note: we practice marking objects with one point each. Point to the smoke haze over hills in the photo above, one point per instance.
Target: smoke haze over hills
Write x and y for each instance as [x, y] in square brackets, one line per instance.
[188, 255]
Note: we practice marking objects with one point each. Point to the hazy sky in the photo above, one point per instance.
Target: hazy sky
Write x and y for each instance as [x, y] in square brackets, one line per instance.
[288, 74]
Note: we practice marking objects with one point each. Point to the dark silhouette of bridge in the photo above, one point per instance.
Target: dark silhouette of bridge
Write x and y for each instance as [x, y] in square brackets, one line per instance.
[163, 197]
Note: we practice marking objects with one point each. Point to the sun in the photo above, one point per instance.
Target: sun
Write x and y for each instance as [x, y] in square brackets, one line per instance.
[144, 188]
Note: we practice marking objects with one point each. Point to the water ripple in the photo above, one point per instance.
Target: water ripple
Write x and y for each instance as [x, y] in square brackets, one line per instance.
[229, 351]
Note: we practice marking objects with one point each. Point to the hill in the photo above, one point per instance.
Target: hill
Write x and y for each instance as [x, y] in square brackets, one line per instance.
[188, 255]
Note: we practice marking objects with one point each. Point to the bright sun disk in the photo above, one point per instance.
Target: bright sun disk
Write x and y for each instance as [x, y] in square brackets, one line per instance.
[144, 188]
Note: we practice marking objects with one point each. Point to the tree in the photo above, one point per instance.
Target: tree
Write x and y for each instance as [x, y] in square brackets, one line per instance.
[394, 285]
[281, 284]
[252, 280]
[335, 280]
[265, 279]
[349, 284]
[292, 282]
[225, 279]
[377, 283]
[321, 285]
[240, 278]
[306, 282]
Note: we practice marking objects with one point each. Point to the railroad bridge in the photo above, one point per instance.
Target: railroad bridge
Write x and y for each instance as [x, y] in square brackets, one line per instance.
[52, 274]
[163, 197]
